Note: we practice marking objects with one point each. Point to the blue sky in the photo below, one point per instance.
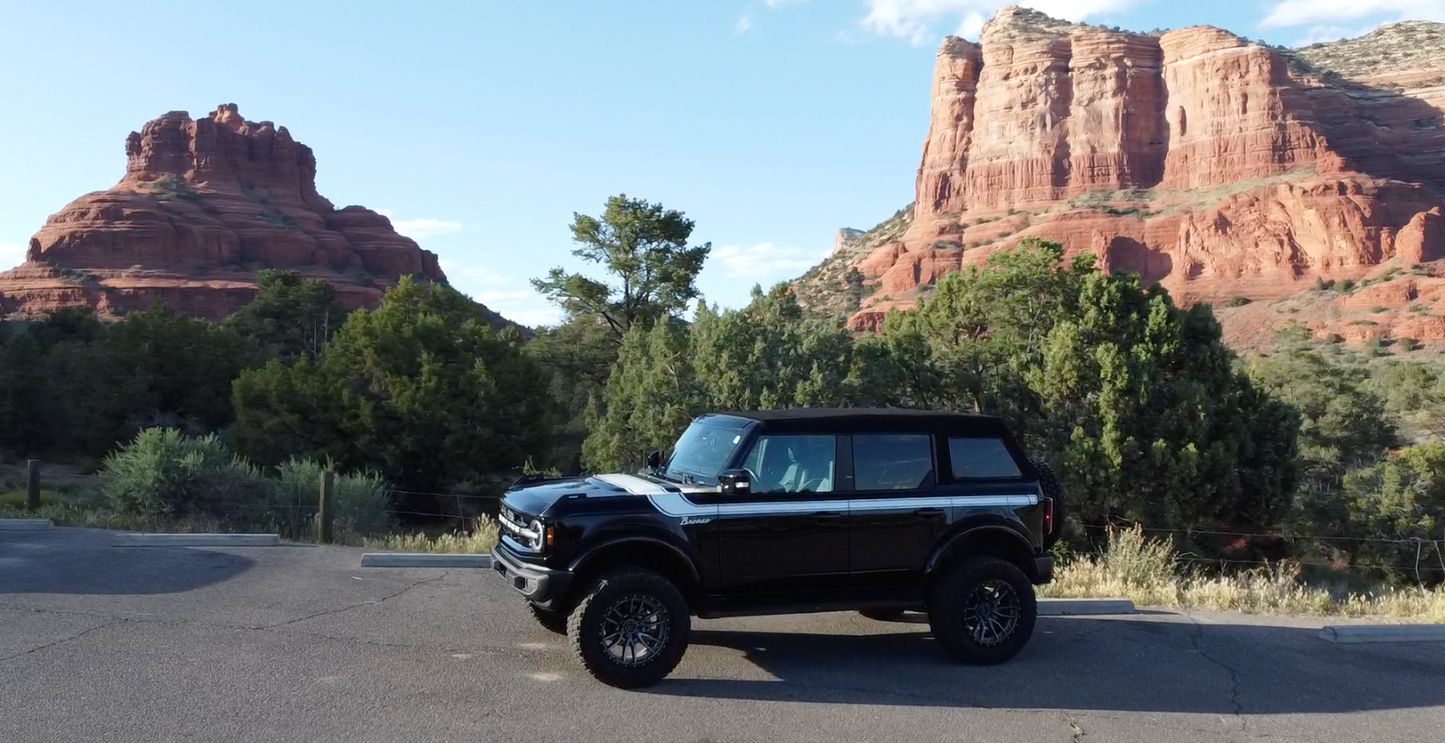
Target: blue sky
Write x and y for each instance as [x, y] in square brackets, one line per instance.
[480, 127]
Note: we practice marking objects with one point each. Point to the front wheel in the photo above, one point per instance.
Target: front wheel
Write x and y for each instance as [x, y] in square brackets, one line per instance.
[982, 610]
[630, 629]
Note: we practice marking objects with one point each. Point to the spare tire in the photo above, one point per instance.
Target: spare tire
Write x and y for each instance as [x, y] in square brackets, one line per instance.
[1049, 483]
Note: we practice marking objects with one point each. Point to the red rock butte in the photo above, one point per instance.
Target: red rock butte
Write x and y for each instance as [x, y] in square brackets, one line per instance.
[204, 204]
[1219, 167]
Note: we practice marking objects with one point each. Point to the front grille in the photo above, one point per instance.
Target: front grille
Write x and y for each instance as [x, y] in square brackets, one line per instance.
[515, 525]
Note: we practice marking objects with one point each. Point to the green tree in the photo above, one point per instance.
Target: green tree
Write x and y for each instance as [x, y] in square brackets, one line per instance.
[767, 355]
[1136, 400]
[651, 270]
[420, 389]
[27, 420]
[175, 370]
[290, 316]
[1344, 423]
[1400, 498]
[650, 396]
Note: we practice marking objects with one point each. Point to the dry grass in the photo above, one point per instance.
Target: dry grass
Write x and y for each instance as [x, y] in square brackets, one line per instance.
[1148, 572]
[480, 540]
[80, 515]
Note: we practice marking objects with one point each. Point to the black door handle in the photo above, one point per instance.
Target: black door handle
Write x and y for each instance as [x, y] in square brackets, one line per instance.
[929, 513]
[831, 516]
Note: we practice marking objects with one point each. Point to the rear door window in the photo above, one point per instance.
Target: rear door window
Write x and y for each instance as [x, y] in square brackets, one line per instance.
[981, 459]
[892, 461]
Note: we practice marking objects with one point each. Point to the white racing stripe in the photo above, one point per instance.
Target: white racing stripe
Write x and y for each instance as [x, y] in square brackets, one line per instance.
[677, 505]
[632, 484]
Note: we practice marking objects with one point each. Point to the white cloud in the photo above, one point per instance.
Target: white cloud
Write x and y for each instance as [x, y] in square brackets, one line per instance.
[512, 297]
[776, 3]
[763, 261]
[11, 255]
[461, 274]
[1323, 12]
[744, 23]
[1317, 34]
[915, 20]
[523, 306]
[417, 229]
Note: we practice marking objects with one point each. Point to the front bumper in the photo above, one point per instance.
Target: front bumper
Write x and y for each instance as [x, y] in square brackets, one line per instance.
[1043, 569]
[545, 587]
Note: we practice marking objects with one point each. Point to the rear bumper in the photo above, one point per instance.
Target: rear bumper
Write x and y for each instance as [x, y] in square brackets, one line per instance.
[1043, 569]
[542, 586]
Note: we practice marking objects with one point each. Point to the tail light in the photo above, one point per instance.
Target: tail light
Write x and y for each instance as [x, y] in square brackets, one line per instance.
[1048, 515]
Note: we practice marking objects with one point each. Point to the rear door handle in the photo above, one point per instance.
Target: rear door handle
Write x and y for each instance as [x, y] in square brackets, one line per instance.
[829, 516]
[929, 513]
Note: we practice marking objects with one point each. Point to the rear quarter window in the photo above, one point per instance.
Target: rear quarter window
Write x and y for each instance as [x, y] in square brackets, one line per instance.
[981, 459]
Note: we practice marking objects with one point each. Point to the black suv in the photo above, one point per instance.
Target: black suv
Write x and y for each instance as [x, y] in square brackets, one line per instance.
[787, 511]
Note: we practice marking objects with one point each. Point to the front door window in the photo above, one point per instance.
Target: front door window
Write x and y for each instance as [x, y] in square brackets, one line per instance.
[793, 464]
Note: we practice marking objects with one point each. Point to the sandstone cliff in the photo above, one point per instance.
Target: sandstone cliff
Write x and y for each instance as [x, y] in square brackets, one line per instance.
[203, 205]
[1219, 167]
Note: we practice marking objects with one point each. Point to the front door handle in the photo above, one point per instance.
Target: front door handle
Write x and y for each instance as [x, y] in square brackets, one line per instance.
[929, 513]
[830, 516]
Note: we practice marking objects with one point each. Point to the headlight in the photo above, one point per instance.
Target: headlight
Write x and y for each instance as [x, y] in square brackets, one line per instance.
[538, 532]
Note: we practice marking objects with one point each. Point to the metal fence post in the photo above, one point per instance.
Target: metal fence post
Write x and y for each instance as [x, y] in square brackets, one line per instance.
[32, 484]
[326, 513]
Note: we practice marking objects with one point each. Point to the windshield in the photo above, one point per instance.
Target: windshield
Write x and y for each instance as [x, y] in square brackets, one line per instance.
[703, 449]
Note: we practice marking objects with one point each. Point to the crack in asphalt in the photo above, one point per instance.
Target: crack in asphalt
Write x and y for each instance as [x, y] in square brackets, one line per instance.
[61, 641]
[374, 602]
[1233, 675]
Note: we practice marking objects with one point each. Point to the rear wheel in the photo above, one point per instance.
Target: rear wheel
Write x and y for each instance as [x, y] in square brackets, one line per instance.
[550, 620]
[982, 610]
[630, 628]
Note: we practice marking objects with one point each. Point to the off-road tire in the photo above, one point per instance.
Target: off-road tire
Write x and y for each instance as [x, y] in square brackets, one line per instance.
[950, 599]
[555, 622]
[606, 593]
[883, 613]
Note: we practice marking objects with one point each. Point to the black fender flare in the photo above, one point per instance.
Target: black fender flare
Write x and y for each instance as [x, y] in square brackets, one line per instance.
[590, 551]
[973, 530]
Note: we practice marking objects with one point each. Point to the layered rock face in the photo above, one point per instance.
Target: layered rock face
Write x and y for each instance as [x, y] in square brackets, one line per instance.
[1218, 167]
[203, 205]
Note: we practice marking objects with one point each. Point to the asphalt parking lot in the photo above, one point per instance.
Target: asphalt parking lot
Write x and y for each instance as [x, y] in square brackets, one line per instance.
[298, 643]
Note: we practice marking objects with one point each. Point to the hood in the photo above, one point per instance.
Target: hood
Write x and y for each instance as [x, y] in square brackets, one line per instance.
[536, 499]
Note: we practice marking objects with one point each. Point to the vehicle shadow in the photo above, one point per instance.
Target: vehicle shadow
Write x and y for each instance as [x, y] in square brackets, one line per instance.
[85, 561]
[1087, 664]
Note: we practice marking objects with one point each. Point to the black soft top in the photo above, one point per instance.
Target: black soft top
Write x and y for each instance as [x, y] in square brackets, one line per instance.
[858, 420]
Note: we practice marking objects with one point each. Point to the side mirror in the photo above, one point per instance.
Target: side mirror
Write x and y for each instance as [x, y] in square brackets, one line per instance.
[735, 482]
[654, 460]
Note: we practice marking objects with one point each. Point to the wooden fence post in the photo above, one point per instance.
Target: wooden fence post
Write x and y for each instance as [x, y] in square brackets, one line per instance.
[326, 513]
[32, 484]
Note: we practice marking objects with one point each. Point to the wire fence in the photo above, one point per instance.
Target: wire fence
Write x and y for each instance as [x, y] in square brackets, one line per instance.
[464, 510]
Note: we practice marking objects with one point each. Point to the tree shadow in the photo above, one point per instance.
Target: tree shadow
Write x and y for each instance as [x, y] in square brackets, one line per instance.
[1074, 663]
[86, 561]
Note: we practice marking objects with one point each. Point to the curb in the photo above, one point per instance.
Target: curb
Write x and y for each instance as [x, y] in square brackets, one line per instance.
[197, 540]
[1362, 633]
[424, 560]
[1084, 607]
[25, 524]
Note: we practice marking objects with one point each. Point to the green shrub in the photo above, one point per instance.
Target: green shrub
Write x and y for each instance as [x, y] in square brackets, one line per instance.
[163, 471]
[1239, 301]
[1346, 285]
[361, 499]
[1407, 344]
[1334, 338]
